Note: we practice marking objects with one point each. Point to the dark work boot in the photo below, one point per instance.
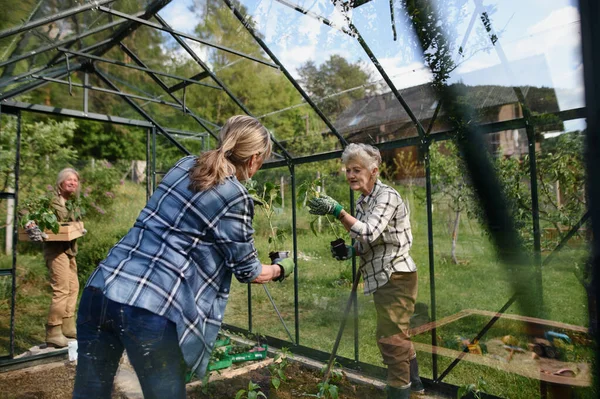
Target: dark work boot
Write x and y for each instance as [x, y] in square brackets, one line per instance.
[416, 385]
[397, 393]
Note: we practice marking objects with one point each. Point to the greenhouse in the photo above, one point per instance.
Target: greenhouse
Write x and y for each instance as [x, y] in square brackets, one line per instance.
[486, 119]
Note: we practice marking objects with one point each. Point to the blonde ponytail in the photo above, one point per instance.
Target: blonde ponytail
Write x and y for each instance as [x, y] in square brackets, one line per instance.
[239, 139]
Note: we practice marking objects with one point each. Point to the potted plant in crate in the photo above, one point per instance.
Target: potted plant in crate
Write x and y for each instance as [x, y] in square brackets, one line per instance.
[38, 222]
[271, 203]
[308, 190]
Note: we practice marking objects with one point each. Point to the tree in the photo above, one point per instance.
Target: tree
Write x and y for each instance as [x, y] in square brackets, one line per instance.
[450, 182]
[327, 82]
[108, 141]
[44, 151]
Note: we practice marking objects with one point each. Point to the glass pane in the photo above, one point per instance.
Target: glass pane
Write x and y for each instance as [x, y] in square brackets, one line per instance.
[273, 233]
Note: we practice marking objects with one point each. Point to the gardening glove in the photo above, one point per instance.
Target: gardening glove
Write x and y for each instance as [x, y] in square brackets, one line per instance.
[287, 267]
[350, 252]
[324, 205]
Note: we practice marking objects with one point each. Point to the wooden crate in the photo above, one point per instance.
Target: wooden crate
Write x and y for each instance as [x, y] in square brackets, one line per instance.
[67, 232]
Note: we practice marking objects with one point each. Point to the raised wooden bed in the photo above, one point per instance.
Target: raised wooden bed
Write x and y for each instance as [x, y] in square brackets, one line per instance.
[67, 232]
[550, 371]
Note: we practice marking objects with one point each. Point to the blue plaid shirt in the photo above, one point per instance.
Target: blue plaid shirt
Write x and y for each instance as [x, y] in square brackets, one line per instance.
[178, 258]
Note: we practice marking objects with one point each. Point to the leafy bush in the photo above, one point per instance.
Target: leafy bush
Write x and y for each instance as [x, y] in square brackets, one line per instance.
[98, 182]
[94, 247]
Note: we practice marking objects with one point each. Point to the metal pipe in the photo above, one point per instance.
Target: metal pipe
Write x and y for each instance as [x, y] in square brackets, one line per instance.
[138, 68]
[102, 90]
[143, 113]
[153, 159]
[295, 253]
[148, 185]
[183, 34]
[52, 18]
[249, 307]
[61, 43]
[386, 78]
[291, 79]
[127, 29]
[476, 339]
[354, 272]
[433, 305]
[278, 313]
[13, 299]
[342, 325]
[566, 238]
[86, 82]
[590, 35]
[193, 54]
[316, 16]
[139, 61]
[17, 106]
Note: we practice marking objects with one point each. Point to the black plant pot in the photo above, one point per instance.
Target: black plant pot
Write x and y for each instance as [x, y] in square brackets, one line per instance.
[278, 255]
[339, 248]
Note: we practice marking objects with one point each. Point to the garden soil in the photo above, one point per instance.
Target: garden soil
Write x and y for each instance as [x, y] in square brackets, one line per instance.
[55, 381]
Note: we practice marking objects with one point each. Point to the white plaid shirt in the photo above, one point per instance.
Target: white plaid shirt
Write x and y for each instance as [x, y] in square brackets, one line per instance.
[383, 236]
[178, 258]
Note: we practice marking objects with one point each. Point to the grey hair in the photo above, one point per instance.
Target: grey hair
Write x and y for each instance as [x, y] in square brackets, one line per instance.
[64, 175]
[366, 155]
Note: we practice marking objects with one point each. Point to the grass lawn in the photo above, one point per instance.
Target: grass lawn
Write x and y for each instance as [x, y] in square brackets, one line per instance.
[479, 281]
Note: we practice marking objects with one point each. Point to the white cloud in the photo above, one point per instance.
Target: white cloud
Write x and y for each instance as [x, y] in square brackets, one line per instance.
[178, 15]
[556, 19]
[402, 75]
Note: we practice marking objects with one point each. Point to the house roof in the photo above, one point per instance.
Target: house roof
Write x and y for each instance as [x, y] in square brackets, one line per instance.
[385, 109]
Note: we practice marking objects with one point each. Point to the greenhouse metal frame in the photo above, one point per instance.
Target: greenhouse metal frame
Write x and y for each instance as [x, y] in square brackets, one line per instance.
[67, 61]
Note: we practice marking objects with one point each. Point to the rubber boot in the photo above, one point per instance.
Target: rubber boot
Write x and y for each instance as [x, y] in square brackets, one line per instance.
[416, 385]
[397, 393]
[55, 337]
[69, 329]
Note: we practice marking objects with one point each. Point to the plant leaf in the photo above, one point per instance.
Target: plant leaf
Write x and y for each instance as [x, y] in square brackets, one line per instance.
[276, 382]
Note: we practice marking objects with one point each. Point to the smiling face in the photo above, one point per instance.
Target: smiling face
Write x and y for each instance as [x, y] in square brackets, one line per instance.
[359, 177]
[69, 186]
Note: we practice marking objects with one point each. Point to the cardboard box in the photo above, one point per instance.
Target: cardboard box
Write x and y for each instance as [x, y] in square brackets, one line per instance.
[67, 232]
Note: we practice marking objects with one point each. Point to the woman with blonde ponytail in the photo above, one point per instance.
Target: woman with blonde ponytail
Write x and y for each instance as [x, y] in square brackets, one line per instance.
[162, 290]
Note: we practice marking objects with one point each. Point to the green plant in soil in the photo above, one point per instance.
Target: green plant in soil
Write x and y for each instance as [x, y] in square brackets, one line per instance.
[252, 392]
[327, 390]
[277, 368]
[336, 374]
[477, 389]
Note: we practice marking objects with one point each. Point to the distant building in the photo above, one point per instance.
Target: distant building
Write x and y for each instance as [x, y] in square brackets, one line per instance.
[382, 118]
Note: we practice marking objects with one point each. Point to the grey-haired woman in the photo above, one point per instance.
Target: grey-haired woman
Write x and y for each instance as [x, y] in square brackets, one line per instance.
[383, 237]
[62, 267]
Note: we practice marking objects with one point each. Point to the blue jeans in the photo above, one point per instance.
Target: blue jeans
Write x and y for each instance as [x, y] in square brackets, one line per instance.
[105, 328]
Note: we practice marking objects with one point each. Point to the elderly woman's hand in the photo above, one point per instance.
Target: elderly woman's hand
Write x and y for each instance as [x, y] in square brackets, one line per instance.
[324, 205]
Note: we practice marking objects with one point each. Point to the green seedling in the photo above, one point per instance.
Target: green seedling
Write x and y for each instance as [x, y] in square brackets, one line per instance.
[476, 389]
[336, 374]
[277, 368]
[253, 392]
[327, 390]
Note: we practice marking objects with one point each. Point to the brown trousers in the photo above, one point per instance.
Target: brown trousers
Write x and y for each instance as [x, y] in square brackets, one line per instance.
[62, 269]
[395, 304]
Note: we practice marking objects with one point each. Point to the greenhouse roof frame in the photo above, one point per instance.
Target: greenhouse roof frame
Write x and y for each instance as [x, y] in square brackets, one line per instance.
[60, 67]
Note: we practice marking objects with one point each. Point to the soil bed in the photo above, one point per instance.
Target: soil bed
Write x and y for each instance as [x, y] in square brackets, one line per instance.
[301, 382]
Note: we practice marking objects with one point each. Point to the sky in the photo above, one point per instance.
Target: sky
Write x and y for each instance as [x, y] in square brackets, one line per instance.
[538, 39]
